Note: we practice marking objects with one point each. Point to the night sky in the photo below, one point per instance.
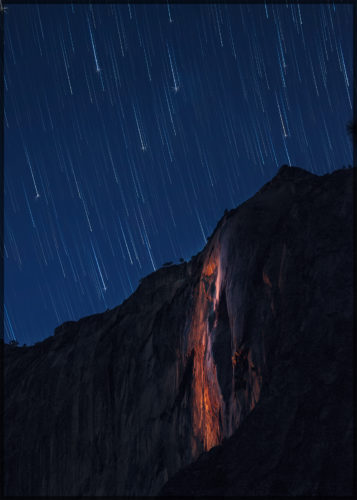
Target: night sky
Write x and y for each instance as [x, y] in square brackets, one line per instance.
[130, 128]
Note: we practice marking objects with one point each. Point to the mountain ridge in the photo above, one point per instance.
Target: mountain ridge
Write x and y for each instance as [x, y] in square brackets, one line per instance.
[285, 172]
[118, 402]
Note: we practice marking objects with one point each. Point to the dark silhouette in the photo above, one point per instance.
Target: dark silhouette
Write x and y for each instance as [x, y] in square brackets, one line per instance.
[182, 260]
[167, 264]
[352, 130]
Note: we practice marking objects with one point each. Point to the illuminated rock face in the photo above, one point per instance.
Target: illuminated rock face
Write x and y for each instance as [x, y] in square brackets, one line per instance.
[226, 383]
[289, 298]
[117, 403]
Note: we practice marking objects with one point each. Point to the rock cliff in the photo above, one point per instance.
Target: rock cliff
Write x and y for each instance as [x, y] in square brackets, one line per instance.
[249, 344]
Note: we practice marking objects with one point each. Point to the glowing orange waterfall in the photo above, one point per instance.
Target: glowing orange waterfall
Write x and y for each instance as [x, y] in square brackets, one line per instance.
[213, 416]
[208, 404]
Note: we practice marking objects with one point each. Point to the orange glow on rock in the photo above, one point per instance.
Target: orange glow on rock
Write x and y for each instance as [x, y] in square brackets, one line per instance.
[209, 269]
[212, 420]
[266, 279]
[207, 397]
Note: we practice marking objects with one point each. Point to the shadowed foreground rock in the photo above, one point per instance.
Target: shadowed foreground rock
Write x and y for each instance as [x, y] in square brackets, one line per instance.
[254, 334]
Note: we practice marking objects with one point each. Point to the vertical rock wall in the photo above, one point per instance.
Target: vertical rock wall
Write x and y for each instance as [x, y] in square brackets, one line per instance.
[117, 403]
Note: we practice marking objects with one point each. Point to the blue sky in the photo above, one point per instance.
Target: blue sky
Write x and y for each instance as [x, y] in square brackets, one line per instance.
[130, 128]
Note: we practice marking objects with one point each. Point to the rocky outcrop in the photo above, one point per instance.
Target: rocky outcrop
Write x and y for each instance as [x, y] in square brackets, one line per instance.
[298, 439]
[254, 331]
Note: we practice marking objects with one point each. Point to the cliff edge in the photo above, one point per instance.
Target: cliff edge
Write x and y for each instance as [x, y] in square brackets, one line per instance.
[240, 358]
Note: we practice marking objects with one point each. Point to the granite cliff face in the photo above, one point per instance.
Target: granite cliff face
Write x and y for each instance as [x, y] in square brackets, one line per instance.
[298, 439]
[254, 334]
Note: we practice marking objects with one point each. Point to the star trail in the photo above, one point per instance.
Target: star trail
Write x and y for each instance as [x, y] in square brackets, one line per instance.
[130, 128]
